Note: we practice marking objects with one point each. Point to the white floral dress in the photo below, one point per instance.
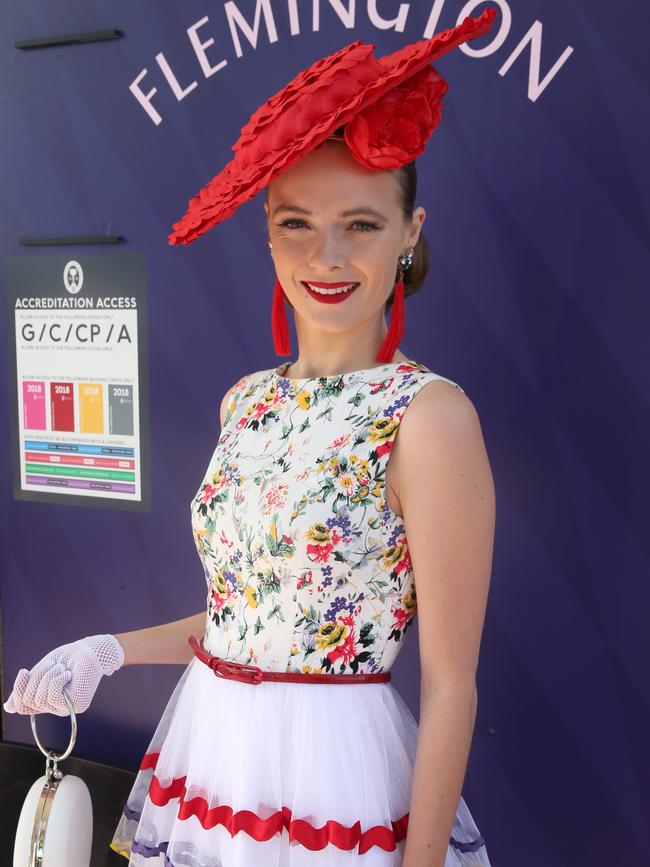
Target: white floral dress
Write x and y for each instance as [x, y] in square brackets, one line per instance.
[307, 570]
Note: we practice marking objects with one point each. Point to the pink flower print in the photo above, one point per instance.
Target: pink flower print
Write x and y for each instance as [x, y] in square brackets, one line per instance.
[397, 558]
[323, 541]
[347, 649]
[338, 443]
[225, 540]
[407, 610]
[260, 411]
[276, 497]
[400, 618]
[208, 493]
[220, 591]
[383, 385]
[305, 579]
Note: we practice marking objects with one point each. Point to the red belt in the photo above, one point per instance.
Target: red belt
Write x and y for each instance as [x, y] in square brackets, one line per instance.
[253, 674]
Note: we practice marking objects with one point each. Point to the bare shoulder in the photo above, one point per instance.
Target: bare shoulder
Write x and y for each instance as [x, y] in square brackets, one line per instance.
[440, 428]
[439, 411]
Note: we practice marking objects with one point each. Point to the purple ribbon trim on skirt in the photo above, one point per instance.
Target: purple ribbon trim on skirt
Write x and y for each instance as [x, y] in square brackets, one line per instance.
[467, 847]
[151, 851]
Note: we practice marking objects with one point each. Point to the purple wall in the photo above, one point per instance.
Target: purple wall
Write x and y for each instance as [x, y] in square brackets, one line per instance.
[536, 303]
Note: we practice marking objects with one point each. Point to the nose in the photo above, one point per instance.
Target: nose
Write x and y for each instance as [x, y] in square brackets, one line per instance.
[326, 252]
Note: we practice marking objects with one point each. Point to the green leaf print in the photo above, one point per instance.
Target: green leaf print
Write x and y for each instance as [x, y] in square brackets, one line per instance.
[258, 626]
[276, 611]
[366, 637]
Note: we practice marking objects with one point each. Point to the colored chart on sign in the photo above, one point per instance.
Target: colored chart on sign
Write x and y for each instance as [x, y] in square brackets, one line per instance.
[120, 410]
[80, 465]
[34, 404]
[62, 406]
[91, 407]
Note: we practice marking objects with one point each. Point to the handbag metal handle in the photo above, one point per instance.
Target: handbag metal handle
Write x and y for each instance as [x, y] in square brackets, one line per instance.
[49, 754]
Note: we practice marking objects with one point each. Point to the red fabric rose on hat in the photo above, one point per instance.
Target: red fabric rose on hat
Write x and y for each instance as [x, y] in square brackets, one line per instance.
[395, 129]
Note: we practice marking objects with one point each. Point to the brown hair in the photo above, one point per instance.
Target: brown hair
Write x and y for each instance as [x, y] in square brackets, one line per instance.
[407, 180]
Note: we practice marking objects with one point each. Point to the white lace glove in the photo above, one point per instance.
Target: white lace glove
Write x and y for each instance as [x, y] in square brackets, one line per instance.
[78, 667]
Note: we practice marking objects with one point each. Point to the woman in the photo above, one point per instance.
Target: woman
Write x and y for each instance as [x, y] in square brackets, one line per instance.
[299, 751]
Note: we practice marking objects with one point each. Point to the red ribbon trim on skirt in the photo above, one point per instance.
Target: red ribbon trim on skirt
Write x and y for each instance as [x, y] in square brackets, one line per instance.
[299, 830]
[252, 674]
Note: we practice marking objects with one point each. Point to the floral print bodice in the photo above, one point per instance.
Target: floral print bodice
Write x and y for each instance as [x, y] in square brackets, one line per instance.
[307, 567]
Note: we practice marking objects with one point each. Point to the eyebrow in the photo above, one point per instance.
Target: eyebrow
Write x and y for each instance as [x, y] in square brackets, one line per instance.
[352, 212]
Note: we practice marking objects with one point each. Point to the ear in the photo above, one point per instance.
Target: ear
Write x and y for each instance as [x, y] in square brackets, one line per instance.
[415, 228]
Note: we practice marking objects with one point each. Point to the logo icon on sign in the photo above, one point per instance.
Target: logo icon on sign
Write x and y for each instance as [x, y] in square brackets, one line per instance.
[73, 277]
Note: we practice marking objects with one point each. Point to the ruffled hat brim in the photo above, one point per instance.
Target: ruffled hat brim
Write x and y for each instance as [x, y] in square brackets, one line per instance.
[319, 100]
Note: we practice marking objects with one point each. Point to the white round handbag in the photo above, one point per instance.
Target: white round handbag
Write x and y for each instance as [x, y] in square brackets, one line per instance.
[55, 827]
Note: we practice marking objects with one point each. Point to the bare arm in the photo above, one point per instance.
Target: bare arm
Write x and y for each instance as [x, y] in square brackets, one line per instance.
[162, 644]
[447, 496]
[167, 643]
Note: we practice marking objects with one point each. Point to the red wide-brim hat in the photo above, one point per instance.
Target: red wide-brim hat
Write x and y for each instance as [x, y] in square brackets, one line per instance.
[388, 107]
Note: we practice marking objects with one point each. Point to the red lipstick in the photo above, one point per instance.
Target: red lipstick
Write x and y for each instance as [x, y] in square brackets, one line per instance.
[335, 298]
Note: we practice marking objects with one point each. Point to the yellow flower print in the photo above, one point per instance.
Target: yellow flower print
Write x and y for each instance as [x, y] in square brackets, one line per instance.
[309, 669]
[409, 600]
[198, 539]
[251, 596]
[330, 635]
[269, 394]
[383, 430]
[217, 477]
[319, 534]
[378, 490]
[303, 397]
[393, 555]
[361, 494]
[219, 584]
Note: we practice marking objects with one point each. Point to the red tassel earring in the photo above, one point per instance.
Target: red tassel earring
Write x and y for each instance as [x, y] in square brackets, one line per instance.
[279, 324]
[396, 327]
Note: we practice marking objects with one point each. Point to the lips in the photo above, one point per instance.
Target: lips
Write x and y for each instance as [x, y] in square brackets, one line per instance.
[329, 285]
[335, 297]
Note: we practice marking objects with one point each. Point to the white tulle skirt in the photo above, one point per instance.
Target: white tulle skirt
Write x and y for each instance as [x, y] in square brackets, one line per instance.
[279, 775]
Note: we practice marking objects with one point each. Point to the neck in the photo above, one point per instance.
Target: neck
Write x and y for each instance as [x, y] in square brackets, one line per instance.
[322, 353]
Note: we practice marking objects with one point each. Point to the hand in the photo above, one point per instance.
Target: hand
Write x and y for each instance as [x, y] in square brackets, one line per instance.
[78, 667]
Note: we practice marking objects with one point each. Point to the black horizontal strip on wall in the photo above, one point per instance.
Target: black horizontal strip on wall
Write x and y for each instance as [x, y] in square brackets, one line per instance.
[72, 239]
[68, 38]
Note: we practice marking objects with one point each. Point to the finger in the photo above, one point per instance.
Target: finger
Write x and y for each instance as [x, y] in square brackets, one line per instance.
[9, 705]
[22, 679]
[22, 706]
[42, 693]
[31, 687]
[53, 698]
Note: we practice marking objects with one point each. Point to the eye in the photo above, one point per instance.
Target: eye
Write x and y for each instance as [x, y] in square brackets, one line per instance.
[367, 227]
[285, 224]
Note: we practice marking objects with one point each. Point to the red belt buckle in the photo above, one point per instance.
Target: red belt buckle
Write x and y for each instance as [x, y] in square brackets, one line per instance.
[237, 671]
